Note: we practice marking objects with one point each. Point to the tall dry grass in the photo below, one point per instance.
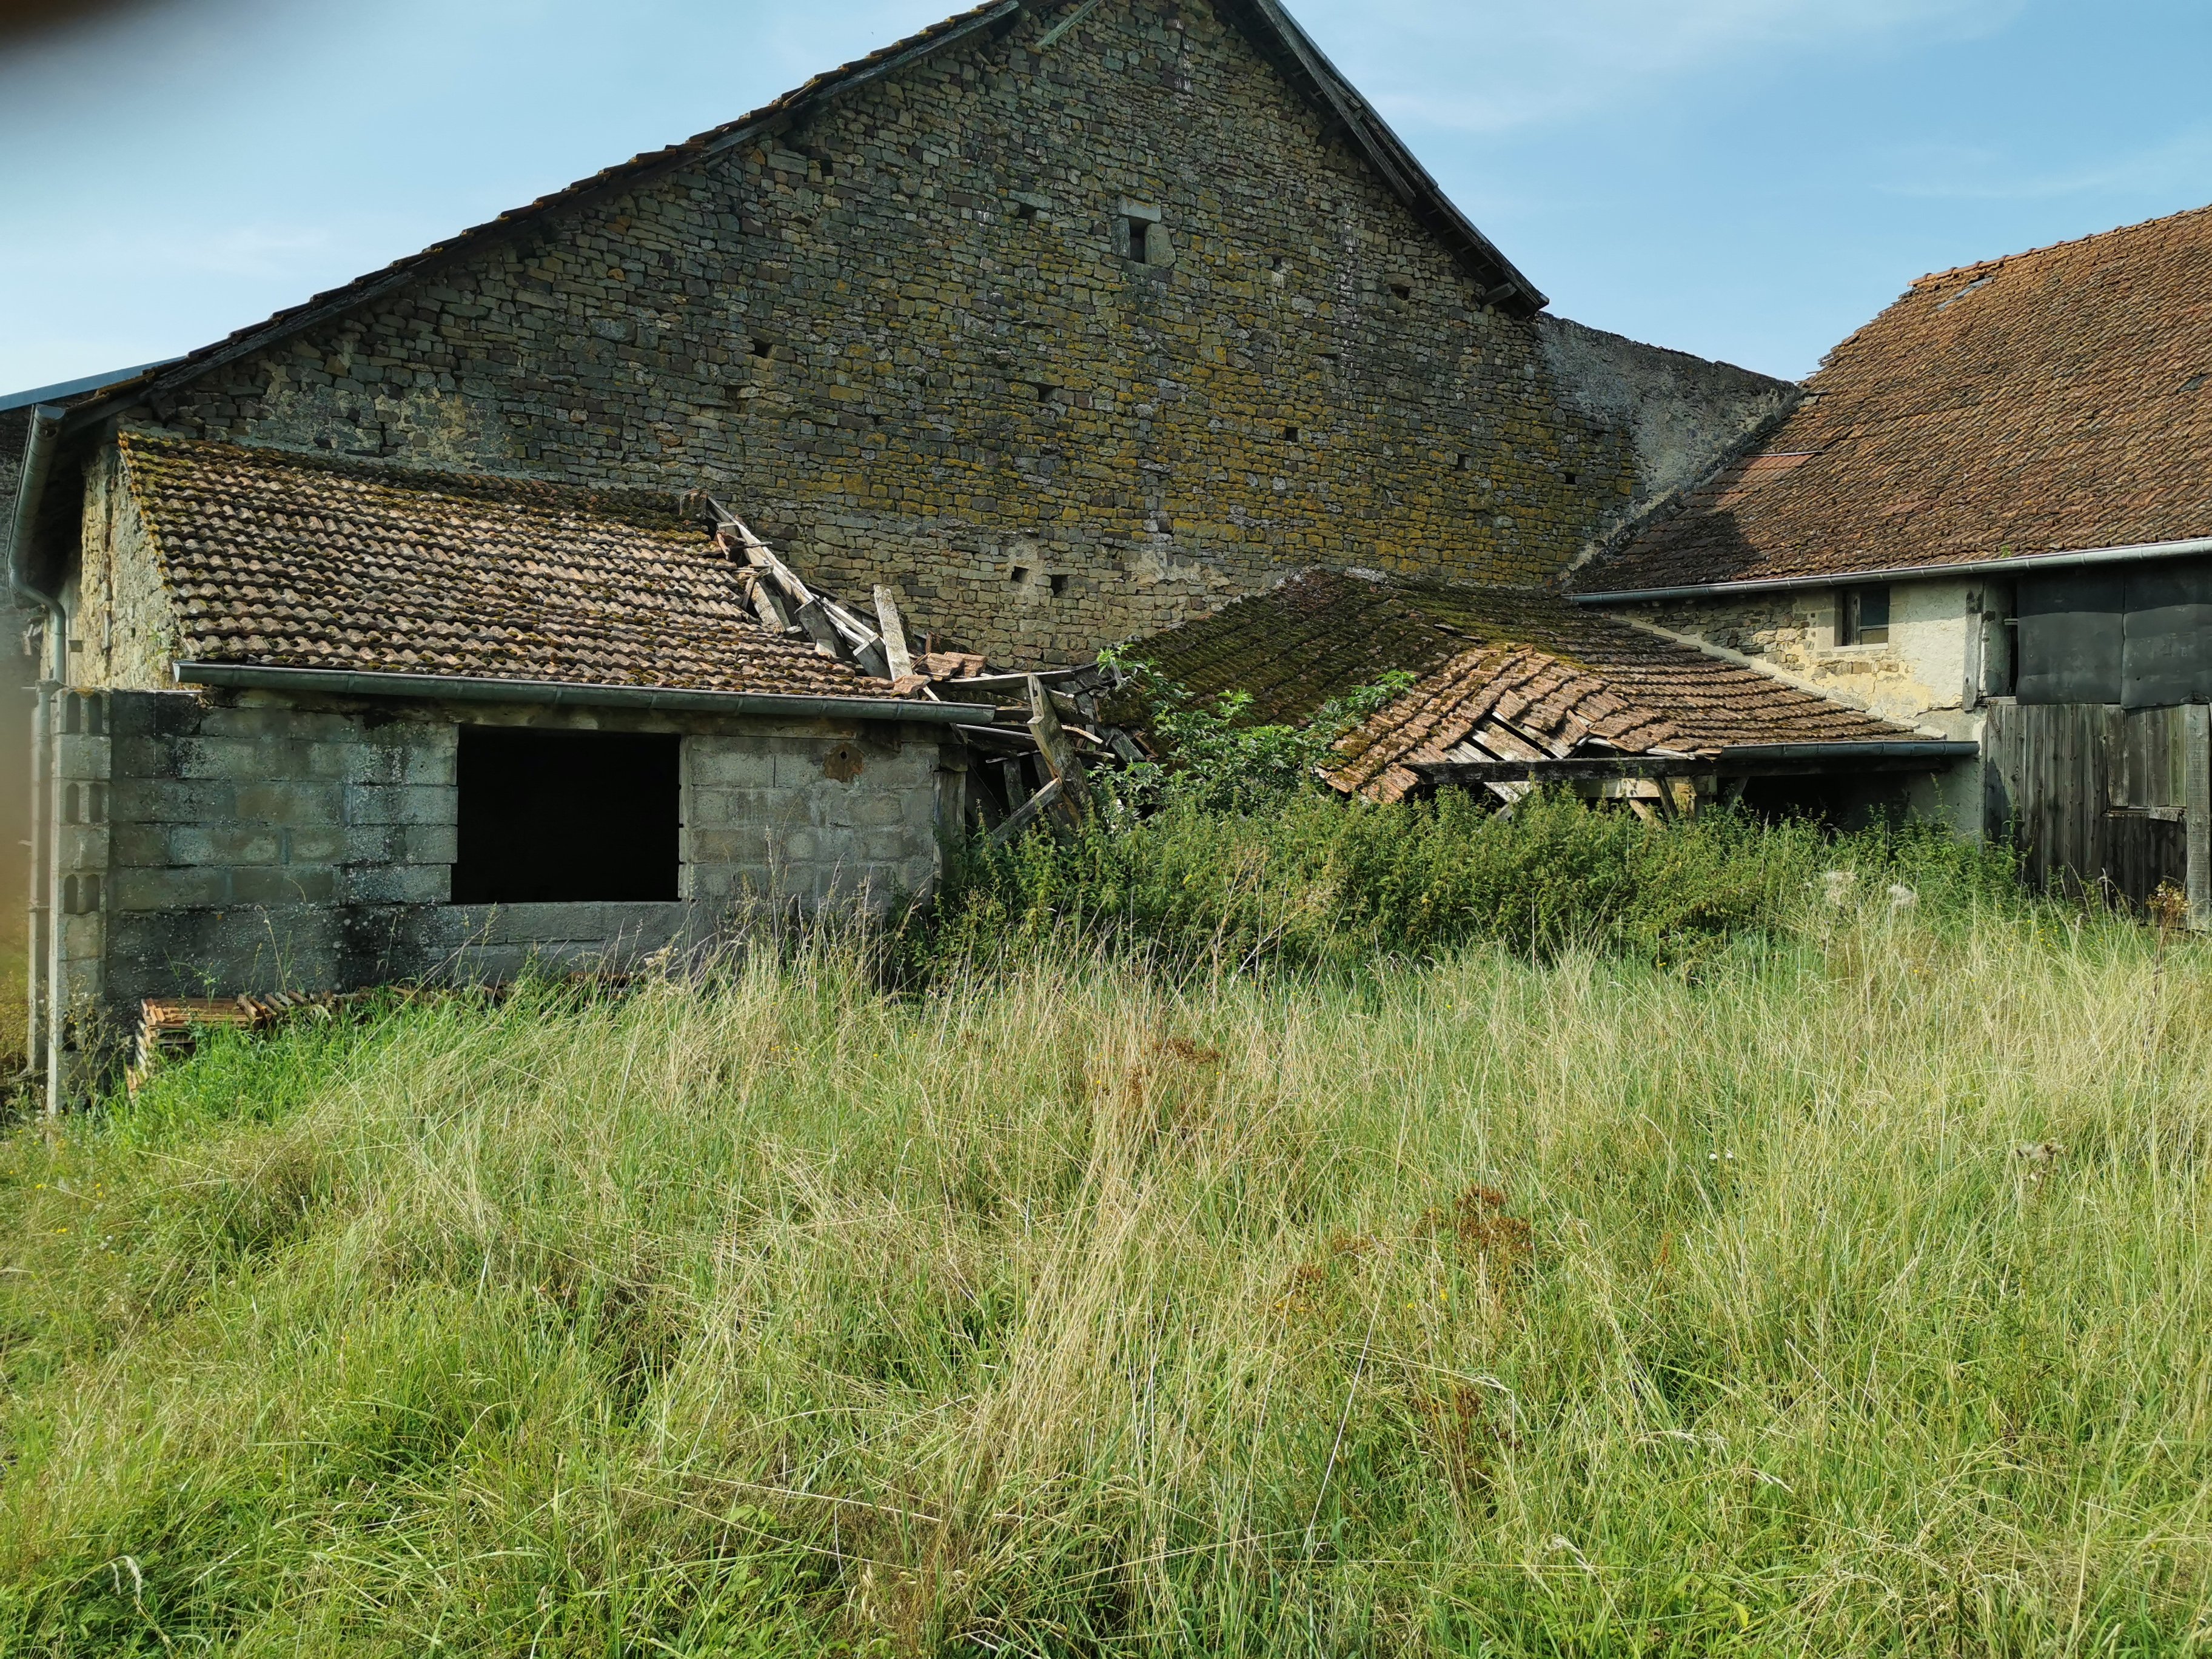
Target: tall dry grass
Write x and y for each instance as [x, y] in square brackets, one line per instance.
[1850, 1300]
[15, 1008]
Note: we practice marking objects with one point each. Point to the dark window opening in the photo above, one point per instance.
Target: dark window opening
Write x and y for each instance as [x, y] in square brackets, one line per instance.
[1571, 477]
[1020, 574]
[1289, 434]
[1025, 209]
[1862, 616]
[1401, 291]
[568, 818]
[1147, 239]
[763, 349]
[1459, 463]
[1058, 587]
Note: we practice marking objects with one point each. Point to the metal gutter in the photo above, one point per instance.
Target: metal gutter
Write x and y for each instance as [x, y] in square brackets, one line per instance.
[1910, 572]
[45, 1010]
[42, 394]
[1749, 760]
[1899, 749]
[553, 694]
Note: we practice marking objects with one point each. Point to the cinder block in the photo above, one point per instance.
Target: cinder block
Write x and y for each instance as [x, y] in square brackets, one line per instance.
[375, 843]
[166, 800]
[430, 763]
[733, 845]
[328, 843]
[239, 760]
[722, 763]
[143, 845]
[292, 803]
[756, 808]
[142, 714]
[431, 843]
[408, 804]
[283, 883]
[400, 883]
[350, 761]
[203, 889]
[886, 848]
[83, 846]
[274, 725]
[226, 843]
[798, 766]
[85, 758]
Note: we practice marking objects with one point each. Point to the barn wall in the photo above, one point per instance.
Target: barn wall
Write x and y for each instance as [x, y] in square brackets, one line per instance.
[908, 340]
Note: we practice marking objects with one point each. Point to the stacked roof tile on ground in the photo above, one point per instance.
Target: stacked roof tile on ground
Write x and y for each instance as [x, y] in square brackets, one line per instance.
[1525, 674]
[2054, 401]
[294, 561]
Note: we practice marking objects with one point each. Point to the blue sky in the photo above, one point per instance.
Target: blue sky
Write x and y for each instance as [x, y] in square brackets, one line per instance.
[1748, 179]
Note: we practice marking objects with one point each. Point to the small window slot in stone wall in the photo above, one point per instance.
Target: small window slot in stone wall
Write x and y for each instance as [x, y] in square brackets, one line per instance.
[1142, 238]
[568, 818]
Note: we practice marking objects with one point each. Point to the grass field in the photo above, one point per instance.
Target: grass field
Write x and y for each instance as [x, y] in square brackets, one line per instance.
[1847, 1295]
[14, 1011]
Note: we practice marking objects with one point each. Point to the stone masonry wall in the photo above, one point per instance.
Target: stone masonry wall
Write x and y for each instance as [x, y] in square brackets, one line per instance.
[225, 843]
[1679, 412]
[909, 341]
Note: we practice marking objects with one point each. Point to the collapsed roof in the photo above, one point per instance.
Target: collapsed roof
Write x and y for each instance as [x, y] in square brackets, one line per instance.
[1509, 675]
[2051, 402]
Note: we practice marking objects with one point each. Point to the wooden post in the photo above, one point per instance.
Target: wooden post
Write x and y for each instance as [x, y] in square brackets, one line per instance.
[894, 632]
[1059, 753]
[2197, 787]
[1030, 811]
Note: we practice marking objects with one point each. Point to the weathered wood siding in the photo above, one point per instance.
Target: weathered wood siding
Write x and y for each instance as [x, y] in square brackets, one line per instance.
[2102, 796]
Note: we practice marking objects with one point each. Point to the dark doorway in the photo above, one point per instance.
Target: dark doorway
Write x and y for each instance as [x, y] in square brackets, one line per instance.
[568, 818]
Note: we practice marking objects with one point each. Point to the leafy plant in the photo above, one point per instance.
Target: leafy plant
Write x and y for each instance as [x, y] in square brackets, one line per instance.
[1217, 757]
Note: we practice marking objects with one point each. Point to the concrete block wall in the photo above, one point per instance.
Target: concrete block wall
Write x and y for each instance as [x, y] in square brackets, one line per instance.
[219, 844]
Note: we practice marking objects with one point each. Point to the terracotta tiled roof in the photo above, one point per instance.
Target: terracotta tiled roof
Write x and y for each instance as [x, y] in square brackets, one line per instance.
[293, 560]
[2053, 401]
[1525, 673]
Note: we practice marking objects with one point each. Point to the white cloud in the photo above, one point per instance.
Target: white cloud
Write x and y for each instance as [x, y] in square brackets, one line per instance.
[1497, 67]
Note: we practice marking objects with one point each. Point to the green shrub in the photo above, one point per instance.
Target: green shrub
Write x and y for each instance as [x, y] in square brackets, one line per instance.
[1312, 882]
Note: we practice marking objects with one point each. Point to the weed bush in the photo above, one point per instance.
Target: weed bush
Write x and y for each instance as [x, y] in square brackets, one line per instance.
[1313, 881]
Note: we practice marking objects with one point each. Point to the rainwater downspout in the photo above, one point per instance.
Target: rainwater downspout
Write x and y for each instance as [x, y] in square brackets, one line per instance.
[44, 1029]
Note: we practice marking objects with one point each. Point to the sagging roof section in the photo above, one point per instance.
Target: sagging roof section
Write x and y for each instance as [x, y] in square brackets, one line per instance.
[281, 560]
[1508, 674]
[2051, 402]
[1272, 30]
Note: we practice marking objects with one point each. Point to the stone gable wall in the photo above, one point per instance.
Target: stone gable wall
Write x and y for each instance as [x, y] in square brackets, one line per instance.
[908, 341]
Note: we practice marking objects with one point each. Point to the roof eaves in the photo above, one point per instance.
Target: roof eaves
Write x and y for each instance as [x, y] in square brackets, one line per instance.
[336, 302]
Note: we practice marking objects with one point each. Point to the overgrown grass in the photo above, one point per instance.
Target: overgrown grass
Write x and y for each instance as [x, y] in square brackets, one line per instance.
[1313, 883]
[15, 1013]
[1844, 1297]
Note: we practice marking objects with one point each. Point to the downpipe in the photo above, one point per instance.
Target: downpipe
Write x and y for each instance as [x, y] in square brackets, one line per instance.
[45, 1011]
